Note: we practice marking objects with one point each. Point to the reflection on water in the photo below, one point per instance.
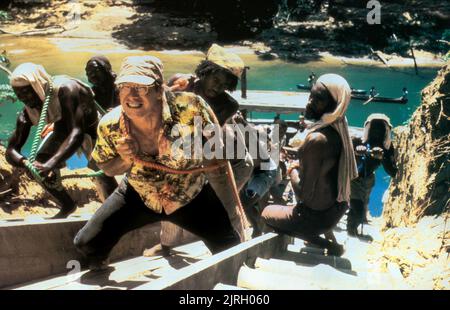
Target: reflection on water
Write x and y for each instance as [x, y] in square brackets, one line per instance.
[69, 56]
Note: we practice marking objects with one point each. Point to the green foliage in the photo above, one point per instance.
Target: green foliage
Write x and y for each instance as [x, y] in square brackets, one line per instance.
[446, 35]
[4, 15]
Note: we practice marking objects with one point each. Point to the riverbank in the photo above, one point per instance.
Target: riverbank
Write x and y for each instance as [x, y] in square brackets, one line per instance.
[122, 25]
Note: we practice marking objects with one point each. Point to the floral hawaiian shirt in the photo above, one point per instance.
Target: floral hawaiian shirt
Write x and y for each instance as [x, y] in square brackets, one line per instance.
[162, 191]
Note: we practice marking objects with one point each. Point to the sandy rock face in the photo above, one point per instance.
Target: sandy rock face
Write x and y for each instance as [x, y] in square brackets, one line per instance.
[421, 185]
[416, 237]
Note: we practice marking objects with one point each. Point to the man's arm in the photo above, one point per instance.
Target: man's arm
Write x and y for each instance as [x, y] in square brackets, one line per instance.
[388, 162]
[312, 156]
[72, 120]
[17, 140]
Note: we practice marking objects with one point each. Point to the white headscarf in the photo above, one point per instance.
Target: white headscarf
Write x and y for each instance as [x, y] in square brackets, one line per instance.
[31, 74]
[341, 93]
[387, 123]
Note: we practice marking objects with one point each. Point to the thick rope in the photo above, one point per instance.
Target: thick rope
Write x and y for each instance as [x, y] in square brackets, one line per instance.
[37, 139]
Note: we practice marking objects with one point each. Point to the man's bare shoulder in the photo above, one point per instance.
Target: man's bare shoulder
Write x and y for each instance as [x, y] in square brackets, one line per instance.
[316, 138]
[323, 141]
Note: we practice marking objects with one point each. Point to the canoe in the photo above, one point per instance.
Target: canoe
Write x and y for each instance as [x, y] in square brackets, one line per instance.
[399, 100]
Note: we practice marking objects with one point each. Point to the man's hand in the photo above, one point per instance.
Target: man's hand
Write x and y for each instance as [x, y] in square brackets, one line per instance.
[127, 148]
[292, 165]
[360, 150]
[377, 153]
[44, 169]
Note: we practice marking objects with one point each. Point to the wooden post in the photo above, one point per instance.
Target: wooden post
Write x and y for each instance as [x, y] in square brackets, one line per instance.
[414, 58]
[244, 83]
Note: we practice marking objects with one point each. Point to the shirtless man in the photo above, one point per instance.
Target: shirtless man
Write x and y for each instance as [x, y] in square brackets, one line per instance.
[101, 76]
[327, 165]
[71, 108]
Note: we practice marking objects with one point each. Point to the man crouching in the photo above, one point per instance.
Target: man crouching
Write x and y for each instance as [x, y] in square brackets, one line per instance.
[327, 165]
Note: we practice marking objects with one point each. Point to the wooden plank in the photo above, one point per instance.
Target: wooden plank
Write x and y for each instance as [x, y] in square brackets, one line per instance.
[222, 267]
[125, 274]
[36, 250]
[272, 101]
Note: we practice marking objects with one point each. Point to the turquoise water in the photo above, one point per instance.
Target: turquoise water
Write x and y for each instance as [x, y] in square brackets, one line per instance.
[278, 75]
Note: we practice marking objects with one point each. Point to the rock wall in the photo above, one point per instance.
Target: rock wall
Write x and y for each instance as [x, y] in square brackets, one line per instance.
[421, 186]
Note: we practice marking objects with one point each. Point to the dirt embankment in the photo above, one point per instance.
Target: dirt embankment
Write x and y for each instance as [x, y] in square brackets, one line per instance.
[20, 196]
[421, 187]
[416, 236]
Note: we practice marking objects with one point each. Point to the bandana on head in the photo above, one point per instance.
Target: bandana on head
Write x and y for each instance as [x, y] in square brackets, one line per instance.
[144, 70]
[31, 74]
[226, 60]
[387, 123]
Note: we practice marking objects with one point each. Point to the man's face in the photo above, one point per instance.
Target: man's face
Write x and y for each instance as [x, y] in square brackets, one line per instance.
[28, 96]
[138, 100]
[377, 131]
[95, 73]
[319, 102]
[215, 83]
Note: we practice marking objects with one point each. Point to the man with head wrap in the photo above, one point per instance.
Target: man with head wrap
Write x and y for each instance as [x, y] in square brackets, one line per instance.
[372, 150]
[327, 165]
[101, 76]
[72, 111]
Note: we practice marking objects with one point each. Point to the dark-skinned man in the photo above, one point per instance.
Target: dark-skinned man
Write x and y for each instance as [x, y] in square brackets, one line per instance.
[375, 148]
[72, 111]
[100, 75]
[327, 165]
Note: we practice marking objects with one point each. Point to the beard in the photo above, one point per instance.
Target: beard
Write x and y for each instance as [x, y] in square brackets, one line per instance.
[311, 115]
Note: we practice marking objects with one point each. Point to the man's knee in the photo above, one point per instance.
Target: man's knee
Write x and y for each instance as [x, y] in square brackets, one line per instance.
[80, 243]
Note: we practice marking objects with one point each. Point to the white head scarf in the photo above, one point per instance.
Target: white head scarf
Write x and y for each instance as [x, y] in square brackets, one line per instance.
[31, 74]
[341, 93]
[387, 123]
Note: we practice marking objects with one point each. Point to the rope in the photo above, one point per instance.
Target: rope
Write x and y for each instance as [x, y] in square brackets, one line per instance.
[41, 124]
[100, 108]
[37, 139]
